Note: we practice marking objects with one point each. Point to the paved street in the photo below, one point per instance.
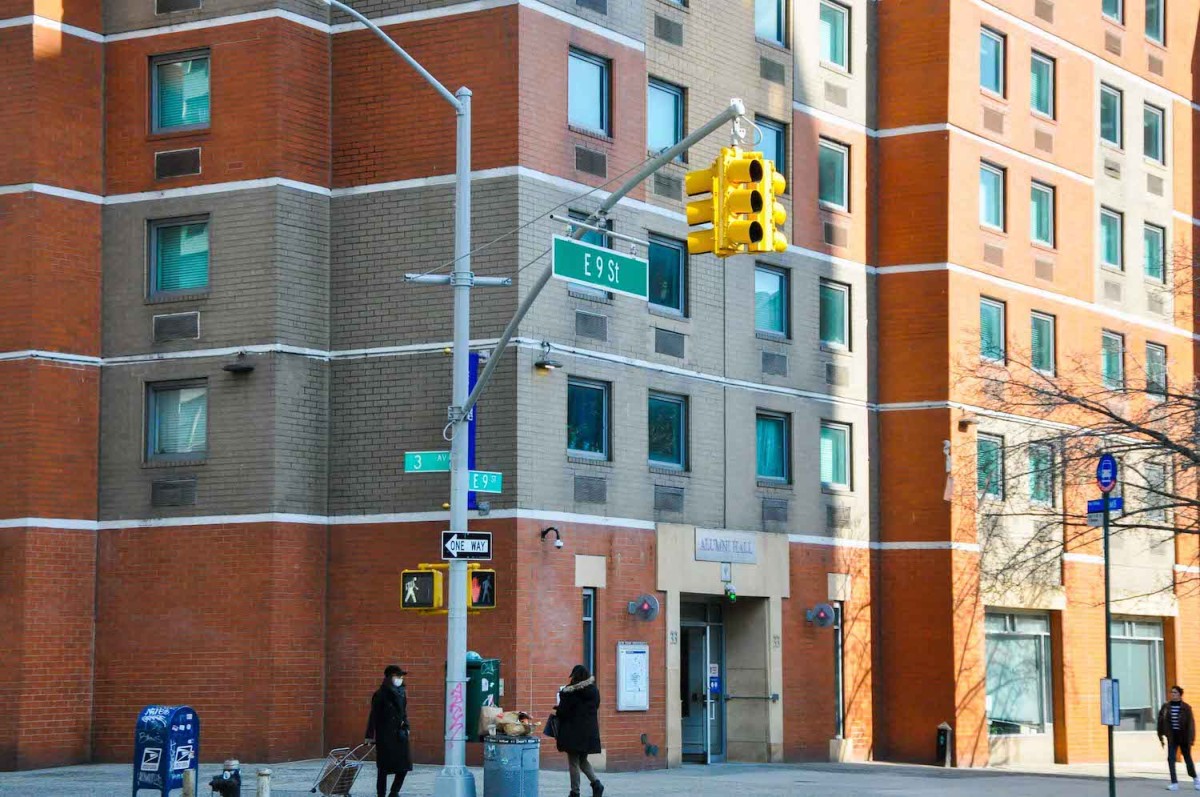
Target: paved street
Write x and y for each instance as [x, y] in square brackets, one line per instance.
[741, 780]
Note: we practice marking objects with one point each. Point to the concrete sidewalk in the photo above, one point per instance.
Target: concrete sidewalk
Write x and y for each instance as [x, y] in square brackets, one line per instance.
[743, 780]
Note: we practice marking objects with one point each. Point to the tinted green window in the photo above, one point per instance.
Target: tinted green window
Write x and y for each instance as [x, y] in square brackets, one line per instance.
[770, 301]
[1110, 115]
[1154, 20]
[834, 28]
[178, 422]
[835, 311]
[770, 20]
[1156, 369]
[991, 61]
[1041, 329]
[1041, 76]
[587, 418]
[991, 196]
[181, 96]
[1113, 9]
[180, 253]
[989, 466]
[831, 174]
[772, 446]
[1041, 212]
[774, 144]
[1152, 251]
[835, 456]
[1112, 360]
[991, 330]
[667, 416]
[1041, 474]
[1111, 233]
[666, 274]
[1152, 133]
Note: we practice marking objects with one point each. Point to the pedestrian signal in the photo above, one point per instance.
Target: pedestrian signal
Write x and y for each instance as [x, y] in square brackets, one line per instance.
[645, 607]
[821, 615]
[421, 589]
[481, 592]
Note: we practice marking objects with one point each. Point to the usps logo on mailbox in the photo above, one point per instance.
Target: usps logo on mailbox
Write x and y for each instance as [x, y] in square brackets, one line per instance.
[151, 757]
[183, 757]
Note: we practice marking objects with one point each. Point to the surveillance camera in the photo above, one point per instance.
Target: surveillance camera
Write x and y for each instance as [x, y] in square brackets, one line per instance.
[558, 543]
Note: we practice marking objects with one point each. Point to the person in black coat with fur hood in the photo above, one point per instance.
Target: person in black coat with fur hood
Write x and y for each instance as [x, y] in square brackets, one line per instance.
[387, 729]
[579, 727]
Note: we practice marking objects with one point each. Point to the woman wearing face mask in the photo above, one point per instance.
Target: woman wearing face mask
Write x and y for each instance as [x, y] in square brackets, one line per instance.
[387, 729]
[579, 727]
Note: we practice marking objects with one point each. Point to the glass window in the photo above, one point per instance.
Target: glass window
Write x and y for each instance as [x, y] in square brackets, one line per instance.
[668, 259]
[1041, 474]
[1112, 248]
[589, 629]
[664, 116]
[1018, 673]
[835, 456]
[771, 300]
[774, 457]
[668, 430]
[989, 466]
[1112, 360]
[991, 196]
[1041, 211]
[991, 61]
[1154, 256]
[1041, 76]
[1041, 328]
[178, 255]
[835, 314]
[1137, 654]
[833, 174]
[1153, 132]
[1156, 500]
[1110, 114]
[181, 92]
[178, 421]
[991, 330]
[1155, 29]
[1113, 9]
[1156, 369]
[587, 419]
[835, 34]
[770, 20]
[587, 91]
[774, 143]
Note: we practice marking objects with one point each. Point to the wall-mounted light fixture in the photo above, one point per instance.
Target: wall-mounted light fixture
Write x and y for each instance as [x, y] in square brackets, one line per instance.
[544, 363]
[967, 421]
[558, 543]
[239, 366]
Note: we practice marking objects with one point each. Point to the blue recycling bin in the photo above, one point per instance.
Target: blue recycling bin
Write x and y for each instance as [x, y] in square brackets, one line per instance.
[511, 765]
[166, 744]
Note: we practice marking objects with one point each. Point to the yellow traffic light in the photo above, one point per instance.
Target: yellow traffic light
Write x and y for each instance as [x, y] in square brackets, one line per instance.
[774, 214]
[701, 211]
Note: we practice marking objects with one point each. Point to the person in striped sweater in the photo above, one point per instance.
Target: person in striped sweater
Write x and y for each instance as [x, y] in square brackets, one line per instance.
[1177, 725]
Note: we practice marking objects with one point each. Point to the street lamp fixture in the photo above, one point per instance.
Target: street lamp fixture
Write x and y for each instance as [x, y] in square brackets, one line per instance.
[545, 363]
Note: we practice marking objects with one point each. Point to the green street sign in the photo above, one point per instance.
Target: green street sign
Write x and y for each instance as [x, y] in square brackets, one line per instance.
[426, 461]
[588, 264]
[484, 481]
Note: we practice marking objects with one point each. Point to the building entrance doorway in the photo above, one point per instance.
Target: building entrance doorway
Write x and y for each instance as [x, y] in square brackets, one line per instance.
[702, 681]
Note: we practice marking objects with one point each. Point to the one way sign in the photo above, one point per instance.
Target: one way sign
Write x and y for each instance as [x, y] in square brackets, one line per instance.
[467, 545]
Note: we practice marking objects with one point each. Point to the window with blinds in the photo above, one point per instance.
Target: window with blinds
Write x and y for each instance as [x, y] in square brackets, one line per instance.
[1041, 330]
[1041, 77]
[991, 330]
[772, 443]
[180, 88]
[835, 456]
[989, 466]
[1112, 360]
[1041, 474]
[1154, 252]
[178, 255]
[178, 421]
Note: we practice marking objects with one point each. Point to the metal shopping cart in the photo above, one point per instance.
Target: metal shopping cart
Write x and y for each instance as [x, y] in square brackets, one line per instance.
[341, 768]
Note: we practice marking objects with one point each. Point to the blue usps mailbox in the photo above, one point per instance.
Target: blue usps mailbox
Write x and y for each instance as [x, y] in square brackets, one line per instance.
[167, 744]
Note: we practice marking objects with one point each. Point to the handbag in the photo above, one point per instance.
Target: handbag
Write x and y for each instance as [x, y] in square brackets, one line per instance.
[551, 729]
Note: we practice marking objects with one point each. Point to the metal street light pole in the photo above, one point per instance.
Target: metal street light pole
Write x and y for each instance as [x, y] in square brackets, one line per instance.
[455, 780]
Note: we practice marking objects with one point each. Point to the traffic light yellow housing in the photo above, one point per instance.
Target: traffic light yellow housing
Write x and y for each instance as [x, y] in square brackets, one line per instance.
[743, 208]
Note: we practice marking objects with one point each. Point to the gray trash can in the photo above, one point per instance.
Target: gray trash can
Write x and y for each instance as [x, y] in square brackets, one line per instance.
[510, 766]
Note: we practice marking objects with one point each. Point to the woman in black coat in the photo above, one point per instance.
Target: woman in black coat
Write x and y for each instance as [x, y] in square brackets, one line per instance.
[579, 727]
[387, 728]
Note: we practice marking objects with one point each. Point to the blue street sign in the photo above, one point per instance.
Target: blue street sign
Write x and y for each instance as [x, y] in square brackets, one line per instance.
[1115, 504]
[1106, 472]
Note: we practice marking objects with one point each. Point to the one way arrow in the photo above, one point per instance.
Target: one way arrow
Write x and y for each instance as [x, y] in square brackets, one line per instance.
[452, 546]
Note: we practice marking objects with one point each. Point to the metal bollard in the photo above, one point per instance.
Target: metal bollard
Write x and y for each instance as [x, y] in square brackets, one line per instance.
[264, 783]
[189, 783]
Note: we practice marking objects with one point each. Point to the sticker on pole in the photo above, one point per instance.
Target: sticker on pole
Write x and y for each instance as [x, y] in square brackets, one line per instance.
[1110, 701]
[1106, 473]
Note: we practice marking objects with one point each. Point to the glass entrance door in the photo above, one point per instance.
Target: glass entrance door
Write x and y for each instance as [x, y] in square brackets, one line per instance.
[702, 682]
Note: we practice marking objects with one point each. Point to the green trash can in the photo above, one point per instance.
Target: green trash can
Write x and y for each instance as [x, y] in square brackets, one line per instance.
[483, 689]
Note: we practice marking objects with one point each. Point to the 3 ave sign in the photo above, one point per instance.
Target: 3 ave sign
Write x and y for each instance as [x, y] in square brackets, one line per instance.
[588, 264]
[475, 545]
